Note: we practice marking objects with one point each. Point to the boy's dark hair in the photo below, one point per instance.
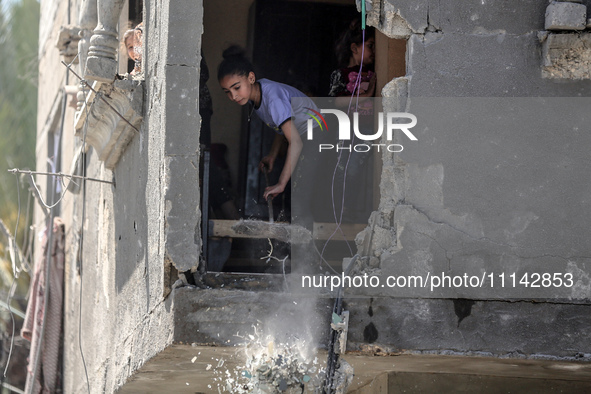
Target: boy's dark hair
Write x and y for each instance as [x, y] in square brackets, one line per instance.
[352, 35]
[234, 63]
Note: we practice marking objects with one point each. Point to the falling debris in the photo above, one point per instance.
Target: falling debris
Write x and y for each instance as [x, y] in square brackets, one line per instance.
[343, 377]
[272, 367]
[336, 319]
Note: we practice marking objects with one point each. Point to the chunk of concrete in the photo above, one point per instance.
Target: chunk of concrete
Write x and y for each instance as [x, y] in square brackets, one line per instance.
[566, 16]
[567, 56]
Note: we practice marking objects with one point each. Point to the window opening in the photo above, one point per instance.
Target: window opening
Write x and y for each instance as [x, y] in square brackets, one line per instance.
[291, 42]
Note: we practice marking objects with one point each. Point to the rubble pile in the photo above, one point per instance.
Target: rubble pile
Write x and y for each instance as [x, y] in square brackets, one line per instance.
[271, 367]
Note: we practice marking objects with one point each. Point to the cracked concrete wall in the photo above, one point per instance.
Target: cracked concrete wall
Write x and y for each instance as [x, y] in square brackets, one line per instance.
[453, 45]
[430, 218]
[147, 226]
[178, 66]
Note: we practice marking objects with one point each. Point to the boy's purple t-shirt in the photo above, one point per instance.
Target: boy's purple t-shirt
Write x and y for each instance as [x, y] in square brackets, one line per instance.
[276, 104]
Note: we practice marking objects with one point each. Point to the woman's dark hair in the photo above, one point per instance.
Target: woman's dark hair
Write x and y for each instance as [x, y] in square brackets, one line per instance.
[352, 35]
[234, 63]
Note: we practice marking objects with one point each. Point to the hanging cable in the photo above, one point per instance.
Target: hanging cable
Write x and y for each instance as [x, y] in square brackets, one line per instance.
[60, 174]
[49, 213]
[8, 300]
[49, 252]
[49, 246]
[328, 386]
[356, 88]
[15, 270]
[15, 274]
[81, 242]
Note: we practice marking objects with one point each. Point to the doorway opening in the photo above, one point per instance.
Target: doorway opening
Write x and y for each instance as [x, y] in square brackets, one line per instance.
[291, 42]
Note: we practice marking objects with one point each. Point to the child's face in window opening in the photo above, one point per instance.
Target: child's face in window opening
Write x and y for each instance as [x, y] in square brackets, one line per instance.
[133, 44]
[130, 45]
[238, 88]
[368, 49]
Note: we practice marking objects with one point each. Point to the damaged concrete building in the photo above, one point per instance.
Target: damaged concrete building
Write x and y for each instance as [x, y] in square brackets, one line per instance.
[139, 303]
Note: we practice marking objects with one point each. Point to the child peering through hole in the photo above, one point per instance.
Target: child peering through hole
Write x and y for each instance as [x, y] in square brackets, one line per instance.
[272, 103]
[354, 55]
[132, 41]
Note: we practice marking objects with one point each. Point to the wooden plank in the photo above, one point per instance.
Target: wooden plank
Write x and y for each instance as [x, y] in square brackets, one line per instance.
[285, 232]
[223, 228]
[257, 229]
[324, 231]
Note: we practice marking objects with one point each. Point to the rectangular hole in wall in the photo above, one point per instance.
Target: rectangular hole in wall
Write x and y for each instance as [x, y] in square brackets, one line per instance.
[290, 42]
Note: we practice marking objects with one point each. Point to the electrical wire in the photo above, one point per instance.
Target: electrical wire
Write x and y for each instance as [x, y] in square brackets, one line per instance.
[41, 198]
[49, 252]
[60, 175]
[18, 218]
[49, 244]
[50, 230]
[356, 88]
[81, 240]
[332, 357]
[8, 300]
[15, 275]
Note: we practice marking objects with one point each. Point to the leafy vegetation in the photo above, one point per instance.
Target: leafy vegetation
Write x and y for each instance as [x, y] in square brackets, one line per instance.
[19, 32]
[19, 36]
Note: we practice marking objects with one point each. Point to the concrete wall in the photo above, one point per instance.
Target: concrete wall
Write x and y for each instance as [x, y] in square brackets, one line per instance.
[476, 199]
[137, 234]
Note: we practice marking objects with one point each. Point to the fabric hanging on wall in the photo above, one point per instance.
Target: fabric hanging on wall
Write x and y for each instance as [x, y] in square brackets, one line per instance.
[46, 376]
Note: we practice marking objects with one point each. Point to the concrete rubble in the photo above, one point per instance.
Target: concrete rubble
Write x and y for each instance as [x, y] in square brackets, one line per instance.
[566, 16]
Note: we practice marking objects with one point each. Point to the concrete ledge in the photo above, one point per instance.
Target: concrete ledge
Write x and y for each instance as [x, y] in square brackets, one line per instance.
[184, 369]
[449, 374]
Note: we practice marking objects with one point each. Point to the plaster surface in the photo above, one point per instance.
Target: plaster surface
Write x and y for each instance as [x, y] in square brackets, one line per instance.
[446, 203]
